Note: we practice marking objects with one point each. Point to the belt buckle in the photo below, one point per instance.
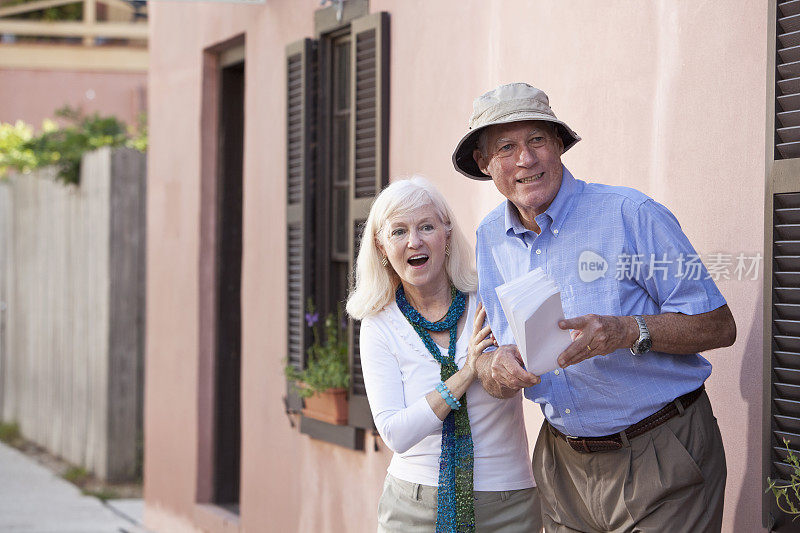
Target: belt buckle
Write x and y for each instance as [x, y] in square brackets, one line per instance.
[577, 443]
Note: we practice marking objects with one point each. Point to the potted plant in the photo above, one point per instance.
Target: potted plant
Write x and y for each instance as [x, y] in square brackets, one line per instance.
[324, 382]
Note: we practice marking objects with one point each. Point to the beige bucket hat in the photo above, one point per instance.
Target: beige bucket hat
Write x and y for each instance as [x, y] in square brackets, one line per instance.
[514, 102]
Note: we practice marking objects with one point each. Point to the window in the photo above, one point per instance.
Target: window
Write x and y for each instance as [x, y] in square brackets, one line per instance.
[787, 112]
[782, 260]
[337, 139]
[785, 336]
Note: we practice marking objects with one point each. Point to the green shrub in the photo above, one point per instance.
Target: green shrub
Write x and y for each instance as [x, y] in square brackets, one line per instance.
[76, 475]
[63, 147]
[9, 433]
[787, 495]
[137, 137]
[15, 150]
[104, 494]
[57, 13]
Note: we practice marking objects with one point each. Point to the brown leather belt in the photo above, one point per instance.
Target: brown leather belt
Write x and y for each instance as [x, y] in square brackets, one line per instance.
[616, 441]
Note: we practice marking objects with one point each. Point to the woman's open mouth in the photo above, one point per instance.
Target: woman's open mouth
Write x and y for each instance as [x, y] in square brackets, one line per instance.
[418, 260]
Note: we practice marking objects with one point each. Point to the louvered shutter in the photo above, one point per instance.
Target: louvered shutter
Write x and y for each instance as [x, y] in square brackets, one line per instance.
[787, 107]
[300, 109]
[785, 331]
[369, 161]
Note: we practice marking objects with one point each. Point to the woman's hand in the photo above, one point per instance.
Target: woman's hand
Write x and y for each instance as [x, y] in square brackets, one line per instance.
[459, 382]
[481, 339]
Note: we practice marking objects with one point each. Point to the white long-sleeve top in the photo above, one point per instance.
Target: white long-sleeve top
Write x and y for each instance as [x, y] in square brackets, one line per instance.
[398, 373]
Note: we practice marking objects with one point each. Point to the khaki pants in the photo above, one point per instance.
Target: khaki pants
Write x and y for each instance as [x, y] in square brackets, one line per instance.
[672, 478]
[411, 508]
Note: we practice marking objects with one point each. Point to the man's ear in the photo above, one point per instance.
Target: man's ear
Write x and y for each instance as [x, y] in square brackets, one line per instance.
[482, 162]
[559, 139]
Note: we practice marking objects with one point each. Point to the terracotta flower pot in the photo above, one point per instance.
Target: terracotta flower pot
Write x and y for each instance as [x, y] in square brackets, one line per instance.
[328, 406]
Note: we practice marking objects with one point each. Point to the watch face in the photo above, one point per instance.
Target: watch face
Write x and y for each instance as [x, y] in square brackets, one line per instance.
[644, 345]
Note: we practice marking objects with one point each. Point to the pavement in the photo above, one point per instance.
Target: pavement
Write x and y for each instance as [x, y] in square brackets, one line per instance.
[35, 500]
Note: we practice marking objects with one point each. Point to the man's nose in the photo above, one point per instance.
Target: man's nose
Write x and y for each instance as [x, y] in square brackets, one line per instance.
[527, 157]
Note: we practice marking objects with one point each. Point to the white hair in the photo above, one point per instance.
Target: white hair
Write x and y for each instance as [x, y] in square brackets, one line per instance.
[375, 284]
[483, 142]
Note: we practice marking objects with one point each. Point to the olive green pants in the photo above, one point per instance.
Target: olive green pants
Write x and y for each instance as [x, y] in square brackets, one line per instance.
[407, 507]
[672, 478]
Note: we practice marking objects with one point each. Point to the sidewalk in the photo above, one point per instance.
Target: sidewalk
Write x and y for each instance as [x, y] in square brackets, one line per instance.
[34, 500]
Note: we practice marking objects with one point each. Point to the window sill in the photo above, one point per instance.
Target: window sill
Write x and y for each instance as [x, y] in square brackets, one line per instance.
[345, 436]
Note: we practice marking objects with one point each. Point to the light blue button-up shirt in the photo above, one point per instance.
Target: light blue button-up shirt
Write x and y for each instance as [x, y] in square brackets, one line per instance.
[612, 251]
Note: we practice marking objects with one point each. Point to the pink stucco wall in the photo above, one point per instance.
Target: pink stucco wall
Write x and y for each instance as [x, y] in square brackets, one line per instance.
[33, 95]
[669, 97]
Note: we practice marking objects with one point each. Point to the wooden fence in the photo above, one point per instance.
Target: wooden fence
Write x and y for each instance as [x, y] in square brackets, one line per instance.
[72, 285]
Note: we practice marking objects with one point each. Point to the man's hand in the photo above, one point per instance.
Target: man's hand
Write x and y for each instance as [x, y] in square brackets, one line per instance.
[502, 374]
[672, 333]
[597, 335]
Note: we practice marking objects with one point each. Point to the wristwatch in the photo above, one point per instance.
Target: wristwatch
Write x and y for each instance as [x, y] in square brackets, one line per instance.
[644, 342]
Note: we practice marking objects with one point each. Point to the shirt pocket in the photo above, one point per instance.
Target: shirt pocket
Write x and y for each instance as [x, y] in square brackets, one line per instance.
[507, 257]
[600, 297]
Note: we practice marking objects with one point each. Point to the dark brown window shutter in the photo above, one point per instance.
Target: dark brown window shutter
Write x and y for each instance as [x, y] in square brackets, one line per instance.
[300, 120]
[369, 141]
[787, 106]
[785, 332]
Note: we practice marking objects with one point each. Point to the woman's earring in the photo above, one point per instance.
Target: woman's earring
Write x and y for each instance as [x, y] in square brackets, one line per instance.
[447, 249]
[385, 261]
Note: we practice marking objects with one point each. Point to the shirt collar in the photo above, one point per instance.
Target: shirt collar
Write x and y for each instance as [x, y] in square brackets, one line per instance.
[512, 222]
[556, 213]
[562, 203]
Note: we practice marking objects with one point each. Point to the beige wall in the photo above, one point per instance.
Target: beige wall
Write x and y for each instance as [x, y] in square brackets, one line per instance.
[670, 98]
[33, 95]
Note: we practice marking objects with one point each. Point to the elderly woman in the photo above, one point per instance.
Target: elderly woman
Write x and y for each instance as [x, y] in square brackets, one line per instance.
[461, 456]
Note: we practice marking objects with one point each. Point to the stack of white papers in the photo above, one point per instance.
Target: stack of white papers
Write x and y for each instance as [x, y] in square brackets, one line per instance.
[532, 305]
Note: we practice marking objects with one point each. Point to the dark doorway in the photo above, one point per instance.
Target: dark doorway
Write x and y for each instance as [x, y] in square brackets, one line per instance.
[227, 386]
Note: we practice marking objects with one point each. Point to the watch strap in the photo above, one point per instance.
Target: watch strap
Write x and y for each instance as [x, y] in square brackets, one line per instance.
[643, 331]
[644, 334]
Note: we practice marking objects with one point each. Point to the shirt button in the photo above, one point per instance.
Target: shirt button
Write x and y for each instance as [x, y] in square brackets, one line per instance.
[555, 231]
[538, 251]
[557, 372]
[568, 411]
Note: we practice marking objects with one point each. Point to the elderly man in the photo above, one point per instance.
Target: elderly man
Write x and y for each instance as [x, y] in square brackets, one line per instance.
[630, 442]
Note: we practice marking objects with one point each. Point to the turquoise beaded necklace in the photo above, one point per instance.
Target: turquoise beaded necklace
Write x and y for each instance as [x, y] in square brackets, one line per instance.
[455, 512]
